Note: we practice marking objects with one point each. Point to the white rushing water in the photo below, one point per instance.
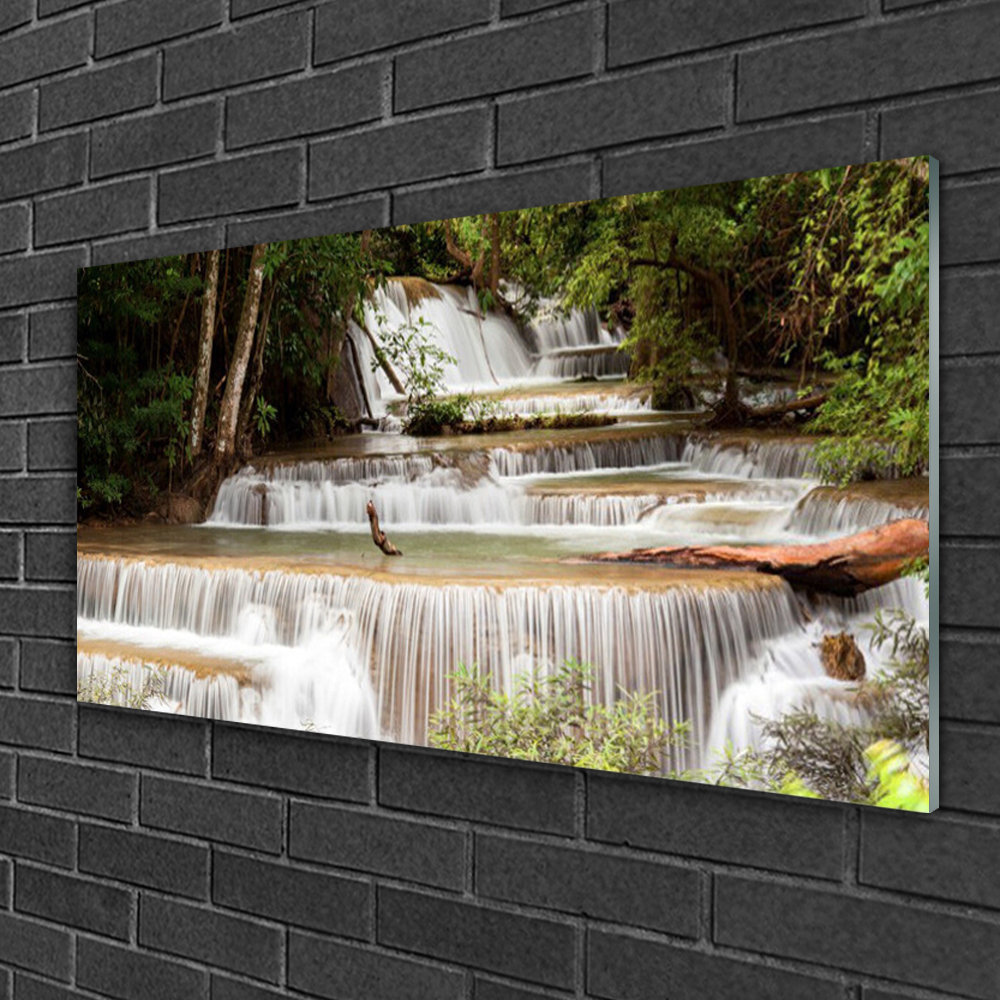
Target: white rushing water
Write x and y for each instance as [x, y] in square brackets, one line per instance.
[313, 640]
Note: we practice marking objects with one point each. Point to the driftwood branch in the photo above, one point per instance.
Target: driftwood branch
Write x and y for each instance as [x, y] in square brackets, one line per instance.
[379, 537]
[844, 566]
[790, 406]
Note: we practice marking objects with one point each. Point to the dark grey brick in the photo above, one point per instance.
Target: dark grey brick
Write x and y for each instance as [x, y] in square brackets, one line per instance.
[398, 153]
[255, 51]
[970, 672]
[934, 858]
[53, 334]
[623, 890]
[530, 948]
[625, 968]
[78, 788]
[27, 833]
[374, 842]
[318, 103]
[224, 988]
[14, 224]
[30, 988]
[649, 29]
[96, 211]
[11, 544]
[965, 783]
[240, 184]
[327, 968]
[16, 113]
[51, 443]
[50, 556]
[871, 61]
[120, 972]
[191, 239]
[7, 762]
[79, 902]
[43, 166]
[970, 586]
[895, 940]
[968, 415]
[39, 611]
[36, 722]
[135, 23]
[143, 739]
[314, 765]
[950, 129]
[39, 499]
[747, 828]
[352, 27]
[610, 112]
[8, 662]
[207, 936]
[970, 304]
[491, 989]
[241, 818]
[153, 861]
[805, 146]
[500, 192]
[244, 8]
[47, 7]
[43, 50]
[511, 8]
[29, 280]
[155, 140]
[12, 339]
[28, 944]
[518, 795]
[970, 223]
[37, 389]
[558, 48]
[48, 666]
[99, 93]
[14, 13]
[303, 898]
[965, 496]
[340, 217]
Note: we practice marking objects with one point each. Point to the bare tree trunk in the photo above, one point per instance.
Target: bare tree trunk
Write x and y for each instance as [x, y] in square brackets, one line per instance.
[208, 304]
[225, 443]
[257, 368]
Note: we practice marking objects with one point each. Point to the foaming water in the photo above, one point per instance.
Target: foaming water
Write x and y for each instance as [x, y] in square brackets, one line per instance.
[687, 644]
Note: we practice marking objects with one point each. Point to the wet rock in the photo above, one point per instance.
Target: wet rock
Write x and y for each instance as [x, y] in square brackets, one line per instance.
[841, 657]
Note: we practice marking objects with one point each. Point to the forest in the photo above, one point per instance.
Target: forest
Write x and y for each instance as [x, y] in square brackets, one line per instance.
[189, 364]
[636, 484]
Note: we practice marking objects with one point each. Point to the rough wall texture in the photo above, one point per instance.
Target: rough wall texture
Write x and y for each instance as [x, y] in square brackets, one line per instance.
[145, 856]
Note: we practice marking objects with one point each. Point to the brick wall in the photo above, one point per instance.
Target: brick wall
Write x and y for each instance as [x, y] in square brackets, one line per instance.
[145, 856]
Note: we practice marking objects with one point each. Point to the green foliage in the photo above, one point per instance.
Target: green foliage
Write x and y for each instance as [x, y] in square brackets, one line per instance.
[114, 686]
[427, 417]
[803, 754]
[552, 718]
[264, 416]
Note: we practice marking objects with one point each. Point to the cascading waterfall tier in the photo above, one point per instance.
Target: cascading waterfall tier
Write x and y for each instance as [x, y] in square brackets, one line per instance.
[687, 643]
[480, 487]
[820, 515]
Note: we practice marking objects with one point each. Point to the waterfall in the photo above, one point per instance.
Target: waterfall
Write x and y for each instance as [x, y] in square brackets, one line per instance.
[788, 677]
[687, 643]
[819, 514]
[751, 459]
[585, 456]
[584, 402]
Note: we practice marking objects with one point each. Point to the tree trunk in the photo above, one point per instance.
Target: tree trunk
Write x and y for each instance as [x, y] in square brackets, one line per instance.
[208, 304]
[844, 566]
[257, 368]
[225, 443]
[379, 537]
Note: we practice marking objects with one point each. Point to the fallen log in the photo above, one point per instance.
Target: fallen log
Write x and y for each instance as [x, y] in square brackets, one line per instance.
[844, 566]
[379, 537]
[789, 406]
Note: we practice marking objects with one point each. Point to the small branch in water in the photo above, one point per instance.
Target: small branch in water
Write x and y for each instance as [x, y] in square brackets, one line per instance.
[379, 537]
